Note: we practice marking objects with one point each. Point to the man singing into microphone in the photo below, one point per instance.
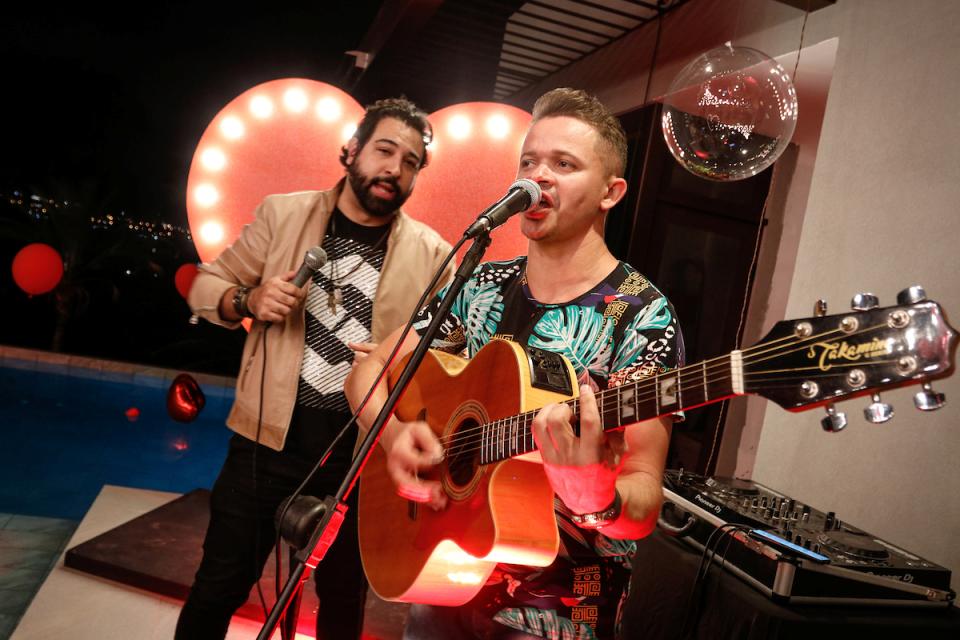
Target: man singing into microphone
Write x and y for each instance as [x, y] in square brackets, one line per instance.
[569, 295]
[289, 401]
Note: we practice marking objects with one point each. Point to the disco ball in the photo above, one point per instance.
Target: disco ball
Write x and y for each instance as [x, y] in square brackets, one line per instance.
[729, 114]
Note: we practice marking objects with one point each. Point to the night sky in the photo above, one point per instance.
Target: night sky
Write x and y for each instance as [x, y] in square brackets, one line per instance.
[106, 109]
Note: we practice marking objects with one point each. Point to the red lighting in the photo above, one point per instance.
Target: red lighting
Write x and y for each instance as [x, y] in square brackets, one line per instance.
[277, 137]
[286, 135]
[473, 160]
[132, 414]
[180, 444]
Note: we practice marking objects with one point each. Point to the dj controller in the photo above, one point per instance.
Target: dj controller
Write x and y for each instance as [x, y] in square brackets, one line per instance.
[792, 552]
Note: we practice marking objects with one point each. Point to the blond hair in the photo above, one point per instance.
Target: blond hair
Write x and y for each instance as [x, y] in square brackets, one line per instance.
[575, 103]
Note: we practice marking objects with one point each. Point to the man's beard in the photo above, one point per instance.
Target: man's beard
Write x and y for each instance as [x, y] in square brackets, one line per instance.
[375, 205]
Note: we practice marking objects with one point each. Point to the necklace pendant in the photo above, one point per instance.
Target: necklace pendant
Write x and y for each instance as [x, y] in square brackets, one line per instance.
[331, 301]
[334, 297]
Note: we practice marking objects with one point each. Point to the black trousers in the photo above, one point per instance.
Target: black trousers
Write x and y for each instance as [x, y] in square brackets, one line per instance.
[234, 553]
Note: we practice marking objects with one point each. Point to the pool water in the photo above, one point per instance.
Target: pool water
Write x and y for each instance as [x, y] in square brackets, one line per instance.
[65, 436]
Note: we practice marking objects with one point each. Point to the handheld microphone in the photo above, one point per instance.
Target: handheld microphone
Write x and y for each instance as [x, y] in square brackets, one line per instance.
[313, 259]
[522, 195]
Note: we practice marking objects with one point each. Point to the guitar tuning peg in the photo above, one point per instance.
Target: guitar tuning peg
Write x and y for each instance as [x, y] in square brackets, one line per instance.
[877, 412]
[820, 308]
[912, 295]
[864, 302]
[928, 399]
[834, 421]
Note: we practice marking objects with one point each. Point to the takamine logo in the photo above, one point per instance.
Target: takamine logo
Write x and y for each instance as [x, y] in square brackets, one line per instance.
[827, 352]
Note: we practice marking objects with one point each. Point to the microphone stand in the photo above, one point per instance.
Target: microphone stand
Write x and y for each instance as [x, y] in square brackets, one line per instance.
[325, 518]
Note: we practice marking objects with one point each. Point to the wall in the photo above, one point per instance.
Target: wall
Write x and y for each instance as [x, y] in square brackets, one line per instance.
[881, 215]
[868, 204]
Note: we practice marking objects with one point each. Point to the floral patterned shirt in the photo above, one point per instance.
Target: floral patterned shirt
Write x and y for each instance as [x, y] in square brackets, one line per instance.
[620, 331]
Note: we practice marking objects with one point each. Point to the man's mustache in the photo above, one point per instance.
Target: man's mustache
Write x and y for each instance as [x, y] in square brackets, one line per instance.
[392, 182]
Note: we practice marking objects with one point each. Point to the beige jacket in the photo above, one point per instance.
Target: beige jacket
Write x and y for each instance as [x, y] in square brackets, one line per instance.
[274, 243]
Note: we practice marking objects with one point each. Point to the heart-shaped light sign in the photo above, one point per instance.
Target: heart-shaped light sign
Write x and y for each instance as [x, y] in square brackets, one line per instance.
[473, 160]
[285, 135]
[278, 137]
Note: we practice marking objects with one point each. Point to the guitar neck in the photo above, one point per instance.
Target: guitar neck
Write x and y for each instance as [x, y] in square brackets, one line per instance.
[658, 395]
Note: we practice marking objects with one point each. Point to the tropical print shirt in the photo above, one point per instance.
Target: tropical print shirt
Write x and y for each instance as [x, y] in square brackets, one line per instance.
[620, 331]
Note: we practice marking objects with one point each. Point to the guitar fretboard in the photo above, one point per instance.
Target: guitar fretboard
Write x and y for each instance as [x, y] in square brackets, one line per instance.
[658, 395]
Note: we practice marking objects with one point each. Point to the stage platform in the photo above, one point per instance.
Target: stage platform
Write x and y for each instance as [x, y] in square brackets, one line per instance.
[129, 563]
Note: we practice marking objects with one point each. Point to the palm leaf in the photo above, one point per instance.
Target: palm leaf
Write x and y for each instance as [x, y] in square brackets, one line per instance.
[480, 307]
[581, 334]
[543, 623]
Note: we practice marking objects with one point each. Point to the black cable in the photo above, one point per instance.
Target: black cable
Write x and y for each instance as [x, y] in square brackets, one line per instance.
[256, 498]
[692, 610]
[723, 557]
[386, 367]
[653, 55]
[694, 617]
[696, 579]
[706, 556]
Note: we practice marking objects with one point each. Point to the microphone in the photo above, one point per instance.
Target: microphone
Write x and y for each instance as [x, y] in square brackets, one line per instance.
[313, 259]
[521, 195]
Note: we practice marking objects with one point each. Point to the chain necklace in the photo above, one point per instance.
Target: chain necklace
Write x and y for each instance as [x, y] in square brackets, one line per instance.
[334, 293]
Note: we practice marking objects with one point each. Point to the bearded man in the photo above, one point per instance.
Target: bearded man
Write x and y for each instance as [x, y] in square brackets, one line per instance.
[289, 399]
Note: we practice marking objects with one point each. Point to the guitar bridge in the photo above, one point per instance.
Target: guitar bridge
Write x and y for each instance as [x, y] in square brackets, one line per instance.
[548, 371]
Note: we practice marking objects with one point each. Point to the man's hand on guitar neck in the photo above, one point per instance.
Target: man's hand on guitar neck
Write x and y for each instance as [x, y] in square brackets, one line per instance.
[582, 471]
[587, 471]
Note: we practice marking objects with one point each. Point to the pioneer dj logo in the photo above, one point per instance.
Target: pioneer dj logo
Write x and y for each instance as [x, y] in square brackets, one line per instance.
[706, 503]
[827, 352]
[907, 577]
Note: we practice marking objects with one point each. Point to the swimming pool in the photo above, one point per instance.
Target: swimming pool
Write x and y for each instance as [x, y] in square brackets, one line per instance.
[65, 435]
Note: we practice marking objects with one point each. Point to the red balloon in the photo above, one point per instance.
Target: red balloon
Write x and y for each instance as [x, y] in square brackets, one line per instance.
[183, 278]
[185, 400]
[37, 268]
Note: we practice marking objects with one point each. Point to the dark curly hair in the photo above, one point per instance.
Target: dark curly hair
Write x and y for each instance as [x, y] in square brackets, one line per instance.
[401, 109]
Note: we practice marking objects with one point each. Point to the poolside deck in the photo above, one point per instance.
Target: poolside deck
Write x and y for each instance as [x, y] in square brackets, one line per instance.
[76, 605]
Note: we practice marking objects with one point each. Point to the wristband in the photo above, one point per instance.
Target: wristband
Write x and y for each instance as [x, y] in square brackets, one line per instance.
[240, 295]
[599, 519]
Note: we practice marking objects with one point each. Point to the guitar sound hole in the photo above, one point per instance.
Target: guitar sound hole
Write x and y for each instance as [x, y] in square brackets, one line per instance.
[463, 453]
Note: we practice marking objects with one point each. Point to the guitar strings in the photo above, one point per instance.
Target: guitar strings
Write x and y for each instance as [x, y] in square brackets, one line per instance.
[502, 448]
[520, 425]
[514, 424]
[699, 370]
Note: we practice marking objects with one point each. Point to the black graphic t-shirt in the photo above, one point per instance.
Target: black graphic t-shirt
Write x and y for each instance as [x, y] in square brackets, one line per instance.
[339, 309]
[622, 330]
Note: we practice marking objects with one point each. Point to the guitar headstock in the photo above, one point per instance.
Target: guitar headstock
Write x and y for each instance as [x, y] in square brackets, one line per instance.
[815, 361]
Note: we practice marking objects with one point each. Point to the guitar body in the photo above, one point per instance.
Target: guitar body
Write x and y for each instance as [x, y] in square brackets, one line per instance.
[500, 512]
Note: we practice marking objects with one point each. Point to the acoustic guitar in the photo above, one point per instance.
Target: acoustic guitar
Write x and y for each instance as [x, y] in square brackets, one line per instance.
[500, 506]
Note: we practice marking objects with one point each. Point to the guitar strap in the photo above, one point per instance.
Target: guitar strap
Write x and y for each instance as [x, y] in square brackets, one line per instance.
[521, 312]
